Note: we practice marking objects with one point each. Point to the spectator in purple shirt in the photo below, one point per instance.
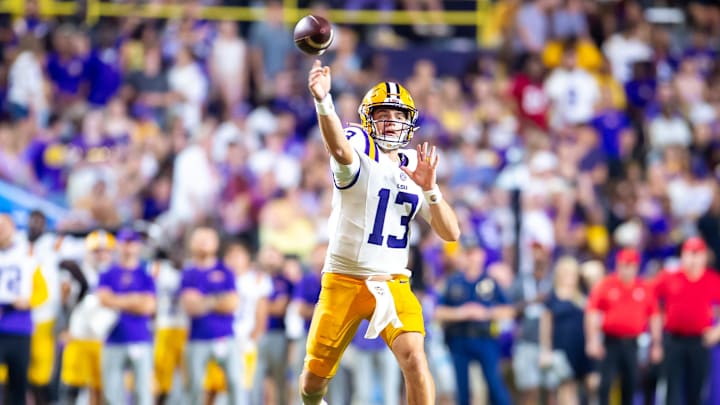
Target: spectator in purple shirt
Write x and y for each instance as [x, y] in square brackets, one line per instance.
[103, 70]
[129, 288]
[273, 347]
[209, 297]
[65, 68]
[307, 292]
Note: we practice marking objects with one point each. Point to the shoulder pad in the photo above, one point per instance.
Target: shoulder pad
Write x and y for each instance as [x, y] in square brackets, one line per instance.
[362, 142]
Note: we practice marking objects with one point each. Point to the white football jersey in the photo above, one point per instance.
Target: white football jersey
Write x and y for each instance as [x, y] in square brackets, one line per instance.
[81, 316]
[169, 312]
[90, 320]
[46, 250]
[373, 203]
[252, 287]
[17, 268]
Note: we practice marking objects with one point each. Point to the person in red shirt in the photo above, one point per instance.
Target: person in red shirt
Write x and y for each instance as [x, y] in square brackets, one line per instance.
[620, 307]
[531, 101]
[688, 297]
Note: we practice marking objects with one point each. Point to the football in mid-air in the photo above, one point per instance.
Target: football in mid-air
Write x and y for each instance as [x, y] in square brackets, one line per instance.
[313, 34]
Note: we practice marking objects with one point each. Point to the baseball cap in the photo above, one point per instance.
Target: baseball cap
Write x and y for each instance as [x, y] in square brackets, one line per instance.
[627, 256]
[128, 235]
[694, 244]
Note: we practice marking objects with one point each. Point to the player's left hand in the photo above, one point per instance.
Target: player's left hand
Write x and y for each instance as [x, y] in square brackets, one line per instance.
[424, 174]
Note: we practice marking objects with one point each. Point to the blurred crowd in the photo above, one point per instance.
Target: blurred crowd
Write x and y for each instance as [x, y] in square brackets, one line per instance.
[590, 129]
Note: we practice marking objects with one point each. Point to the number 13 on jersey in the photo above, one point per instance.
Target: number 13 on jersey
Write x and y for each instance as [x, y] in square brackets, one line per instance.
[376, 236]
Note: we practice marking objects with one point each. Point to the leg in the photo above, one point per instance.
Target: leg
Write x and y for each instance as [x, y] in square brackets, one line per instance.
[232, 366]
[141, 358]
[461, 363]
[527, 372]
[567, 393]
[408, 344]
[163, 364]
[334, 323]
[608, 371]
[40, 394]
[96, 396]
[197, 356]
[487, 350]
[261, 369]
[649, 379]
[113, 365]
[312, 388]
[42, 357]
[279, 364]
[94, 359]
[18, 361]
[161, 398]
[629, 371]
[674, 366]
[210, 397]
[698, 364]
[72, 377]
[54, 389]
[409, 349]
[69, 395]
[214, 382]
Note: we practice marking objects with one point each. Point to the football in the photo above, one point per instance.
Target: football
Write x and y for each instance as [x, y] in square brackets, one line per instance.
[313, 35]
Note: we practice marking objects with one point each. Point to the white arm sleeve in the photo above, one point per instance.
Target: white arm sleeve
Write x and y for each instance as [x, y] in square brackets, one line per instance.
[344, 175]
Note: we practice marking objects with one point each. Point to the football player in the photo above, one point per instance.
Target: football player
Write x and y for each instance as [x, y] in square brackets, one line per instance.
[379, 188]
[17, 273]
[81, 364]
[42, 248]
[45, 248]
[171, 325]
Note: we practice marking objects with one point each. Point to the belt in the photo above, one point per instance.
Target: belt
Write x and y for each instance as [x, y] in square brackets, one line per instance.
[620, 338]
[374, 277]
[381, 277]
[473, 330]
[680, 336]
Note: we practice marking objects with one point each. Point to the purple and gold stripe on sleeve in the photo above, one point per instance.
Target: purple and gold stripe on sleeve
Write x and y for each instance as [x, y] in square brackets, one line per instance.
[371, 148]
